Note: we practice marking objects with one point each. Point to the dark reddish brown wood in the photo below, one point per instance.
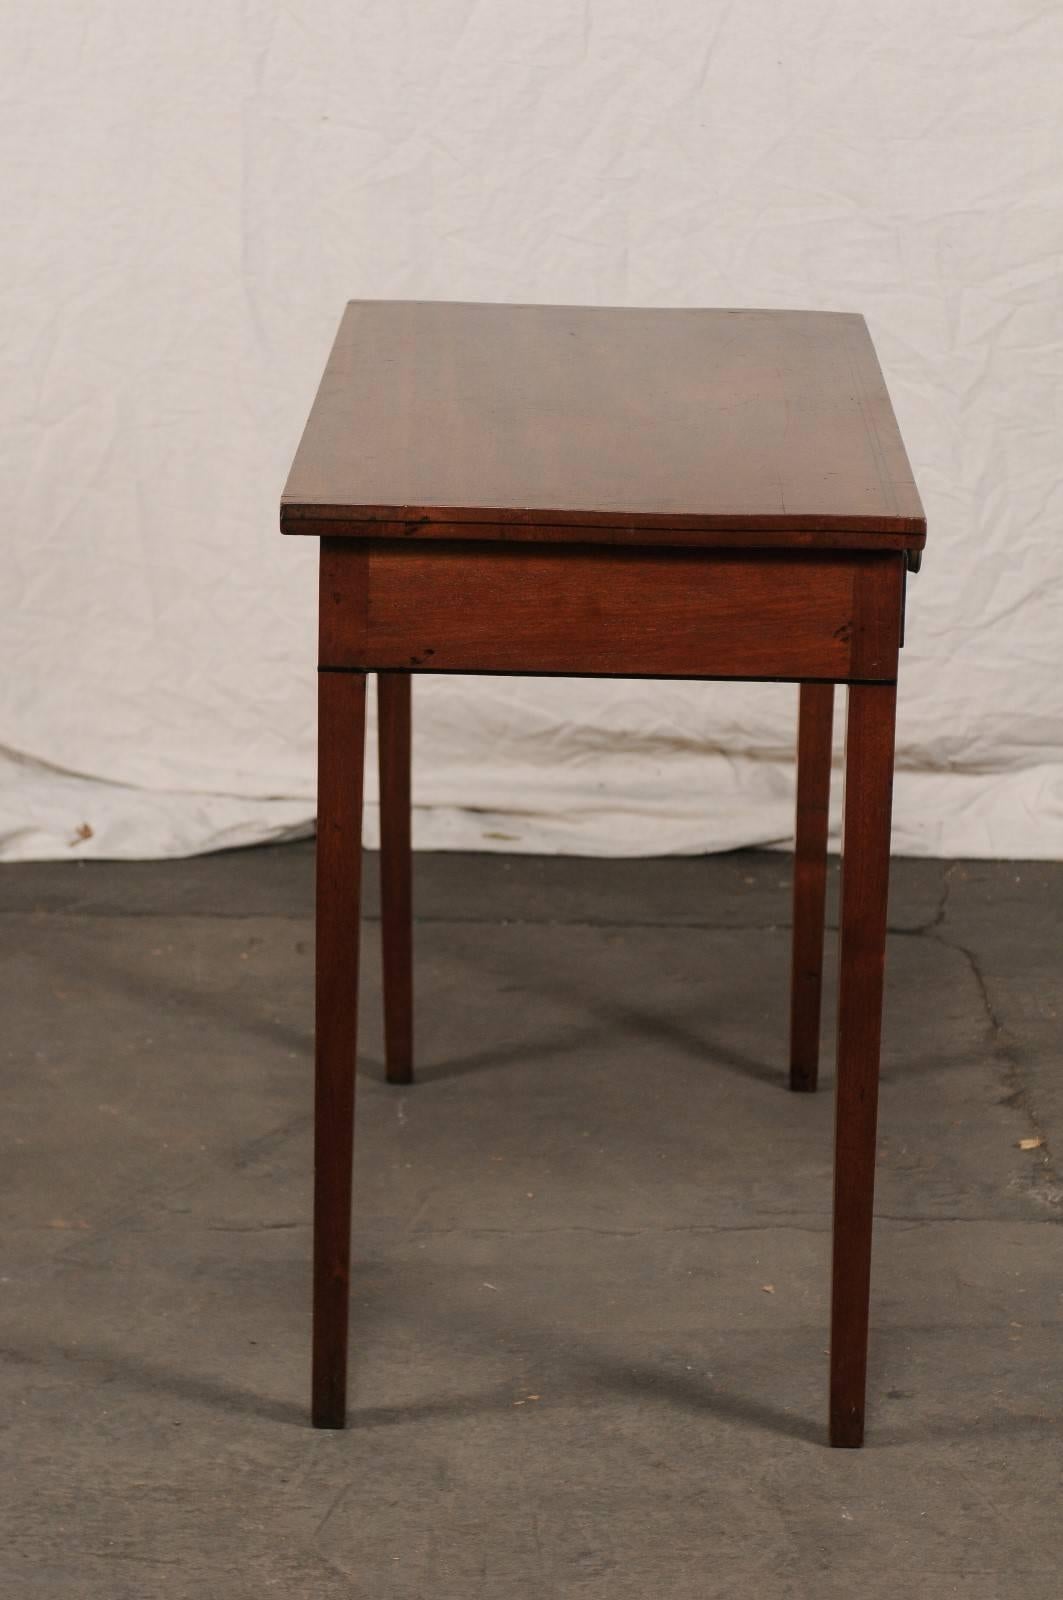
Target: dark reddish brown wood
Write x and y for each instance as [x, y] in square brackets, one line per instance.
[585, 610]
[343, 604]
[878, 617]
[396, 908]
[814, 728]
[735, 424]
[865, 883]
[632, 493]
[739, 538]
[341, 748]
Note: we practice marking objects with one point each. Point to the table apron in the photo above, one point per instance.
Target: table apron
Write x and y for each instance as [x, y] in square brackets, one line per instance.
[593, 610]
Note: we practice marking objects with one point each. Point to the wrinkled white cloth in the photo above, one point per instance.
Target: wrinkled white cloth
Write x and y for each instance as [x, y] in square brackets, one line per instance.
[190, 198]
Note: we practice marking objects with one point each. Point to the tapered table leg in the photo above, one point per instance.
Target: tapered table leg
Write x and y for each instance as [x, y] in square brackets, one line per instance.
[865, 882]
[814, 727]
[393, 702]
[341, 754]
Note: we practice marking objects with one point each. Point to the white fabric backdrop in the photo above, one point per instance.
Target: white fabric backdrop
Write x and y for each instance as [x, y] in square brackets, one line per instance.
[193, 191]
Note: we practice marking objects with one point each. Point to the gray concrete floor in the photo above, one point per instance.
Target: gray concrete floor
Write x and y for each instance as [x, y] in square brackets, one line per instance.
[590, 1291]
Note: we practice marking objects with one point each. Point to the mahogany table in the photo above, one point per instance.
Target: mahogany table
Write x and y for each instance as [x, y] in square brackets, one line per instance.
[606, 492]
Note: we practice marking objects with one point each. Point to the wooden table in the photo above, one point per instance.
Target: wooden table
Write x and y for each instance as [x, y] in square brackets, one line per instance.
[630, 493]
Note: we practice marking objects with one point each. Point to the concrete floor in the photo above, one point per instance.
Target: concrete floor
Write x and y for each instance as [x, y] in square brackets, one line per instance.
[590, 1293]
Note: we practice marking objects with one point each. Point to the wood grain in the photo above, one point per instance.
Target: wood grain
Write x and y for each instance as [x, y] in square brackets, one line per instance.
[664, 538]
[865, 884]
[595, 610]
[730, 423]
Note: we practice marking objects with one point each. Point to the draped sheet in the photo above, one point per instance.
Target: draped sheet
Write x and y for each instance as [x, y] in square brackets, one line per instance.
[191, 194]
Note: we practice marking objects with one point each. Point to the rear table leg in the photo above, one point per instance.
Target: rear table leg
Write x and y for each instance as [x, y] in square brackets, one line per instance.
[393, 703]
[815, 722]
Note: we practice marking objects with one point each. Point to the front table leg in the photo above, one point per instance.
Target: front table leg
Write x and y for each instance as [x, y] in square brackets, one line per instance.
[865, 882]
[341, 754]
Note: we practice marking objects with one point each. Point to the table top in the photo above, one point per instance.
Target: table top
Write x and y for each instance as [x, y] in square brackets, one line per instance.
[724, 427]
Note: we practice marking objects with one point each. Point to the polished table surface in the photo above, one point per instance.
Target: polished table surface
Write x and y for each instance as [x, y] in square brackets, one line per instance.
[759, 428]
